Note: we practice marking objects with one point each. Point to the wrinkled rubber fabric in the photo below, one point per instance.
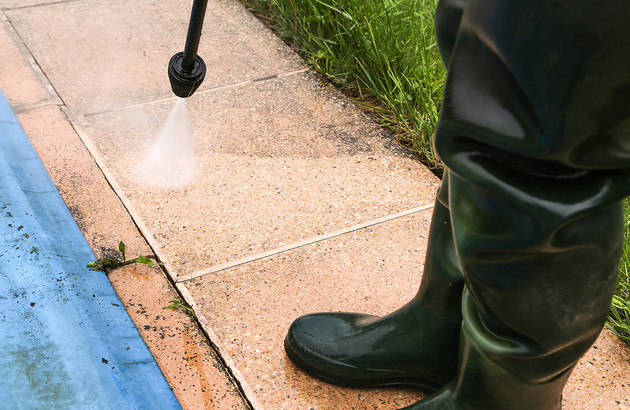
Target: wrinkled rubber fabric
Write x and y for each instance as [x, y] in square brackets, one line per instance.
[535, 134]
[448, 16]
[415, 345]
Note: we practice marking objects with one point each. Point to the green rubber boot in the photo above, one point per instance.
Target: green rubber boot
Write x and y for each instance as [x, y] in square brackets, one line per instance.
[484, 384]
[540, 267]
[507, 392]
[416, 345]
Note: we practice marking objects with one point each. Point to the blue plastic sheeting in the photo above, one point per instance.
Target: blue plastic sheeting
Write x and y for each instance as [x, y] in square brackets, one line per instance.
[65, 339]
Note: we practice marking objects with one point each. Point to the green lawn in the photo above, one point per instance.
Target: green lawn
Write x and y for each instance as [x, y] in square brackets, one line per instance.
[619, 319]
[383, 54]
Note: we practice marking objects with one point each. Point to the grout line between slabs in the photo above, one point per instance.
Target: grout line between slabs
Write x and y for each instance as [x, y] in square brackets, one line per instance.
[299, 244]
[207, 91]
[30, 6]
[219, 348]
[37, 69]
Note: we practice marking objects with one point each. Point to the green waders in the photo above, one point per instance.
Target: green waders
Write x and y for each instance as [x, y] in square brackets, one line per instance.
[534, 133]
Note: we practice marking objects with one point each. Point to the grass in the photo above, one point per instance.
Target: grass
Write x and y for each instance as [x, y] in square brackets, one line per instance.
[619, 318]
[383, 54]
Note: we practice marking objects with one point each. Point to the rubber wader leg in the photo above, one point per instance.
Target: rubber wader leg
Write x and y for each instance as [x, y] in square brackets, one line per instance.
[535, 298]
[448, 15]
[534, 131]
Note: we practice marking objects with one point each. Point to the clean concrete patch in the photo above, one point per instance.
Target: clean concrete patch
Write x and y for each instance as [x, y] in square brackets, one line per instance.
[278, 161]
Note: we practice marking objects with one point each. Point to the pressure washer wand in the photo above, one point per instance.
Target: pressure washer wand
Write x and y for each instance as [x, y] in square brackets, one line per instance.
[186, 70]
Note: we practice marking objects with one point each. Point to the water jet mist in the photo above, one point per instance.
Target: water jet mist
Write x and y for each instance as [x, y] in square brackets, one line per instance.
[171, 160]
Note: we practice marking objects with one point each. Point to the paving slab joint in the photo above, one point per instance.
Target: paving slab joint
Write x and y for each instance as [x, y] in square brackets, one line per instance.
[38, 5]
[37, 70]
[206, 91]
[237, 377]
[299, 244]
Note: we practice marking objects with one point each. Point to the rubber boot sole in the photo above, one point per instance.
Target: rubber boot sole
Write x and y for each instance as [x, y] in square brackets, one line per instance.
[402, 381]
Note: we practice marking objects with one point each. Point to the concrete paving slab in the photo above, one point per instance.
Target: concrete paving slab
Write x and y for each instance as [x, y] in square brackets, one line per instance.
[20, 82]
[196, 373]
[375, 271]
[107, 54]
[601, 379]
[250, 307]
[90, 199]
[278, 161]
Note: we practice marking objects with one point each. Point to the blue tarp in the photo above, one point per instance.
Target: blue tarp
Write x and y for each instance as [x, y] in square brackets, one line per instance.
[65, 339]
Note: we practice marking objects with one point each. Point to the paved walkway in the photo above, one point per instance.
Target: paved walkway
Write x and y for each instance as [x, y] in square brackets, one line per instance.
[285, 199]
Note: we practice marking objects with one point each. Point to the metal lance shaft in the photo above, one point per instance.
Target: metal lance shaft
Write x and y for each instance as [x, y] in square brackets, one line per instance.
[186, 70]
[194, 33]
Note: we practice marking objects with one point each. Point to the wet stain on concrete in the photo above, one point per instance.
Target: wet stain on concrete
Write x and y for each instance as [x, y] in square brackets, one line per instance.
[194, 357]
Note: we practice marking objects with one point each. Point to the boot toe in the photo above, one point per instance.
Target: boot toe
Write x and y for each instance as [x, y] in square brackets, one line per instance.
[316, 341]
[353, 350]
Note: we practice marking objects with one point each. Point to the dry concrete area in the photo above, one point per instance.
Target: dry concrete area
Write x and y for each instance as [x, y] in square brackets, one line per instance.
[280, 198]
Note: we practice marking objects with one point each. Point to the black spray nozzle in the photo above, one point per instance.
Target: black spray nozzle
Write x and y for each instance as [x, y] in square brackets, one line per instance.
[185, 80]
[186, 70]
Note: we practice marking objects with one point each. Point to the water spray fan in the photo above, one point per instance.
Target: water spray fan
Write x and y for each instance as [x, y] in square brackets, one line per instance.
[186, 70]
